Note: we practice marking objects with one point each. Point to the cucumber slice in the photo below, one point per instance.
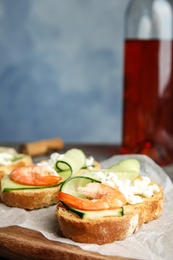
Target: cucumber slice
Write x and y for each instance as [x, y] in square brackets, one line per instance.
[7, 185]
[131, 164]
[64, 175]
[126, 169]
[17, 157]
[96, 213]
[71, 163]
[11, 157]
[71, 185]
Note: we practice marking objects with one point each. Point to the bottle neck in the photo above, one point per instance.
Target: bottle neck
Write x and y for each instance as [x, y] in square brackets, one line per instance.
[149, 19]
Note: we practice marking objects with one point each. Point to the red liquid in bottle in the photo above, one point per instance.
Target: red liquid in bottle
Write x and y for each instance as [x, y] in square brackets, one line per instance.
[148, 99]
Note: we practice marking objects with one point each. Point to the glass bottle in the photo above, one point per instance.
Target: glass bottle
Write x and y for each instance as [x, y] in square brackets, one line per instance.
[148, 80]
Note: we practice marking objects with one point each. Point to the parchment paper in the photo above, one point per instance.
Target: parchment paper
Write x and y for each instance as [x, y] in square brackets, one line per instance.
[154, 240]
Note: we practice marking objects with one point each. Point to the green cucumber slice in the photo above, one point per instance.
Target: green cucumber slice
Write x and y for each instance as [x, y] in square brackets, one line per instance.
[17, 157]
[64, 174]
[131, 164]
[71, 185]
[126, 169]
[12, 157]
[71, 163]
[96, 214]
[7, 185]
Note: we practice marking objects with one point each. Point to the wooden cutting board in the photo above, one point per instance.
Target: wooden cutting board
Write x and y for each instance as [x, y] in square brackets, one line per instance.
[21, 243]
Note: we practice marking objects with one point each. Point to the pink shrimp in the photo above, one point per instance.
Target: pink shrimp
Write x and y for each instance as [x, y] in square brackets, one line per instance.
[34, 175]
[100, 197]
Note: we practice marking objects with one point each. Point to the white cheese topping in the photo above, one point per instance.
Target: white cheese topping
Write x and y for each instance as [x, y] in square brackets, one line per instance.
[5, 158]
[133, 191]
[54, 157]
[50, 164]
[89, 162]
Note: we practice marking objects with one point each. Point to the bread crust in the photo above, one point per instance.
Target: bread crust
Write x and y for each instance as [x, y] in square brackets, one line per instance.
[31, 199]
[109, 229]
[7, 169]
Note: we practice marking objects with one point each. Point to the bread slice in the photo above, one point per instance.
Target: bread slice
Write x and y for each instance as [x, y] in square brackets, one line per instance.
[31, 198]
[109, 229]
[26, 160]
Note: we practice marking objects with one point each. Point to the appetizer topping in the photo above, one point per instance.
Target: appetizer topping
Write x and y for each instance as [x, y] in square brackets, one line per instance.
[66, 164]
[5, 158]
[54, 157]
[126, 169]
[35, 175]
[93, 214]
[134, 191]
[69, 163]
[98, 197]
[89, 162]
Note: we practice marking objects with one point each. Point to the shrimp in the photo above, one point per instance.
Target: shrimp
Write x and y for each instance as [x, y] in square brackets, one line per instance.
[100, 196]
[34, 175]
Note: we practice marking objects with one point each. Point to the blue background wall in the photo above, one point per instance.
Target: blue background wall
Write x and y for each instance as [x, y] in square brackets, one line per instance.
[61, 70]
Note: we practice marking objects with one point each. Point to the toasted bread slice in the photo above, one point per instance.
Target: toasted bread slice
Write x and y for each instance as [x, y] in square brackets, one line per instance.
[31, 198]
[26, 160]
[109, 229]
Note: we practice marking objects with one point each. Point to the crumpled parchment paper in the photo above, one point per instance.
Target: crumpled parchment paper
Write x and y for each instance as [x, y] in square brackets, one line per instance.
[153, 240]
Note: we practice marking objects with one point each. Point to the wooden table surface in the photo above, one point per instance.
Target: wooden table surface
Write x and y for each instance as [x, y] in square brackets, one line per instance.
[21, 243]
